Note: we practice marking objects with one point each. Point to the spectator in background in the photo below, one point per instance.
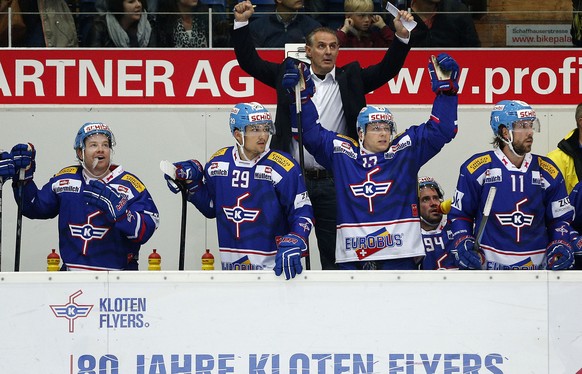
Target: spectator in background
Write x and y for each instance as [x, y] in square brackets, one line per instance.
[49, 23]
[437, 235]
[361, 28]
[287, 25]
[341, 93]
[18, 28]
[442, 23]
[315, 8]
[125, 24]
[182, 24]
[576, 29]
[568, 155]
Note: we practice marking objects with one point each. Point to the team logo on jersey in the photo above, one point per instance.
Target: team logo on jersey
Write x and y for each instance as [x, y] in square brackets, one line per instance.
[517, 219]
[72, 310]
[306, 226]
[365, 246]
[370, 189]
[88, 232]
[238, 214]
[457, 201]
[218, 169]
[67, 185]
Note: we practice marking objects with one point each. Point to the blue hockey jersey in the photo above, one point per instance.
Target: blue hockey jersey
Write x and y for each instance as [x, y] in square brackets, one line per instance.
[255, 203]
[437, 245]
[531, 208]
[87, 239]
[377, 211]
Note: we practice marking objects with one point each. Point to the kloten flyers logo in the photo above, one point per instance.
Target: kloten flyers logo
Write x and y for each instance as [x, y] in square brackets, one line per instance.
[72, 310]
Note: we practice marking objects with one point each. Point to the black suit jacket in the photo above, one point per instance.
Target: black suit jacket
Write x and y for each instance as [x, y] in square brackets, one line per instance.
[353, 80]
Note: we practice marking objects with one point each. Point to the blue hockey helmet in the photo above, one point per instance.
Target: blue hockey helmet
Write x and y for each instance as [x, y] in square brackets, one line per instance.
[92, 128]
[430, 182]
[374, 114]
[513, 114]
[253, 113]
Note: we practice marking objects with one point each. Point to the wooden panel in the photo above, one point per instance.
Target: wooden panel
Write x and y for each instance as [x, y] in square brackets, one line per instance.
[491, 27]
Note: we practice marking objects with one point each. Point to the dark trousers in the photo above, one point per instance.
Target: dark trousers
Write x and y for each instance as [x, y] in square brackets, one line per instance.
[396, 264]
[323, 199]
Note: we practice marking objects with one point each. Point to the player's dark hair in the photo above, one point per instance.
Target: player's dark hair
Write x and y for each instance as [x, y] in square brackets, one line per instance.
[309, 38]
[497, 141]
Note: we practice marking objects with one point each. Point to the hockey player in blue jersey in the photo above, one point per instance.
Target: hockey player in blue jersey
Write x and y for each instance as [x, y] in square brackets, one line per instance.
[376, 176]
[529, 222]
[258, 197]
[437, 235]
[105, 213]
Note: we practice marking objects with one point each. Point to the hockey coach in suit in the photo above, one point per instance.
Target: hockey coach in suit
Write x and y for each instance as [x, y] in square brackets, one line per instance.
[340, 95]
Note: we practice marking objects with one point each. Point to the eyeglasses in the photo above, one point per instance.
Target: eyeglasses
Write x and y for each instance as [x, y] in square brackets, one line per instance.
[257, 129]
[378, 128]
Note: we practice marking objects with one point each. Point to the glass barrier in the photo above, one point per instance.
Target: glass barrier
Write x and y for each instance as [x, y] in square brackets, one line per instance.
[84, 23]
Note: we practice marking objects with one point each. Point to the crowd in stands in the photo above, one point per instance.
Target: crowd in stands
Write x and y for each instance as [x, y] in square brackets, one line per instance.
[208, 23]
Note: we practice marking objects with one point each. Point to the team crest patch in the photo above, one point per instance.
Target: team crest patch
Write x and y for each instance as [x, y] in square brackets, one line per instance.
[68, 170]
[281, 160]
[136, 183]
[549, 168]
[478, 162]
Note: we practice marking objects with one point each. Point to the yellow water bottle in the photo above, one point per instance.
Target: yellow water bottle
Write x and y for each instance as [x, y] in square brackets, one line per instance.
[53, 261]
[154, 261]
[207, 261]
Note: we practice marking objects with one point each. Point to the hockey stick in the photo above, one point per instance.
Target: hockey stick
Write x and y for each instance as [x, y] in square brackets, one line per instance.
[486, 211]
[300, 85]
[1, 186]
[170, 170]
[19, 220]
